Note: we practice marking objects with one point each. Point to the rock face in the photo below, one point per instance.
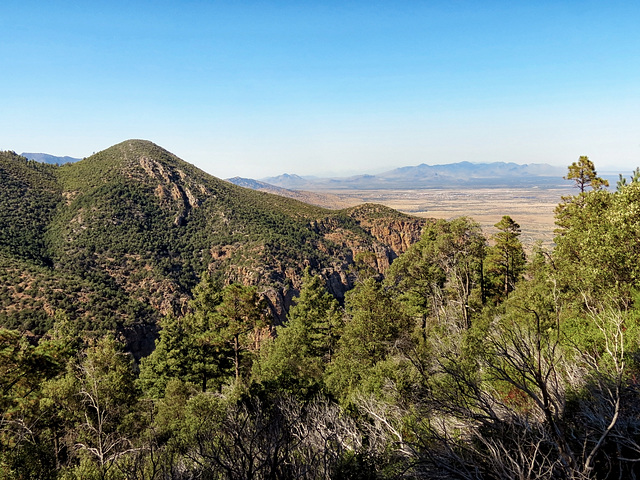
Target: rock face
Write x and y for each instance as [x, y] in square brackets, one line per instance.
[394, 231]
[388, 234]
[398, 234]
[173, 183]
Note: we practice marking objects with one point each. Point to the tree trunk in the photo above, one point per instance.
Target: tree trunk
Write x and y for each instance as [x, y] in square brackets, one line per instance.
[236, 349]
[506, 277]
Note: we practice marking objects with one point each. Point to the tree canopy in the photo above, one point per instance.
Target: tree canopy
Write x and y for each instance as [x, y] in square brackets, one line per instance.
[583, 173]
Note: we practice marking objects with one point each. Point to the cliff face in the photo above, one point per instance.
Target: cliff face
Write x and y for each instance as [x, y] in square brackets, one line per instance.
[375, 233]
[395, 232]
[398, 235]
[378, 241]
[395, 238]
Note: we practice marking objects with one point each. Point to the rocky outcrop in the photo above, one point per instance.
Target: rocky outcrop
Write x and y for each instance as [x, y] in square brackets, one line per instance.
[134, 227]
[389, 227]
[399, 235]
[173, 187]
[387, 234]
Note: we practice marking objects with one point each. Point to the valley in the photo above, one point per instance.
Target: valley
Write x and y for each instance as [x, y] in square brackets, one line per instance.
[532, 207]
[483, 191]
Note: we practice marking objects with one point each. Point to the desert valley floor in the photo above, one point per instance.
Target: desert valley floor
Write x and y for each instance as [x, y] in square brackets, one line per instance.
[533, 208]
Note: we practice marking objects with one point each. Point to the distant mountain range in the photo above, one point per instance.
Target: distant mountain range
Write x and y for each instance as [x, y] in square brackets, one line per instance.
[321, 199]
[52, 159]
[497, 174]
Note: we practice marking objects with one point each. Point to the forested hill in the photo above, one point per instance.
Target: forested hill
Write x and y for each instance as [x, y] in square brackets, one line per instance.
[121, 238]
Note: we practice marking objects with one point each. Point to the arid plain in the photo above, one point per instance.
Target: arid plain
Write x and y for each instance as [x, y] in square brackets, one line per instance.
[533, 208]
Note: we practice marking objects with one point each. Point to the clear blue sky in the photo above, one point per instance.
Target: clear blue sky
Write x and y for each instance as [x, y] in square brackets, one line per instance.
[258, 88]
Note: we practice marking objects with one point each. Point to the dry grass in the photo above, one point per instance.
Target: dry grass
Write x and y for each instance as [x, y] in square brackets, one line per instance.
[532, 208]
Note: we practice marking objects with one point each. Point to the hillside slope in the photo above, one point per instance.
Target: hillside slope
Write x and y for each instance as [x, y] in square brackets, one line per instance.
[120, 238]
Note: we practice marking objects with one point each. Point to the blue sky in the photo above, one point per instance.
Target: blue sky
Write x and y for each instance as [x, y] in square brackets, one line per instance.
[260, 88]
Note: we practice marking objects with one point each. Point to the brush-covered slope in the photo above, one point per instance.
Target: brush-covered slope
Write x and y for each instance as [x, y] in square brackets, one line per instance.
[121, 237]
[29, 195]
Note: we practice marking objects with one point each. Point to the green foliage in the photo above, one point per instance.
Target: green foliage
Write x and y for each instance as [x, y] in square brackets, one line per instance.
[598, 243]
[635, 178]
[583, 172]
[463, 362]
[186, 349]
[25, 419]
[22, 367]
[209, 344]
[374, 323]
[95, 411]
[506, 259]
[365, 266]
[30, 194]
[240, 317]
[180, 353]
[442, 272]
[296, 359]
[124, 234]
[106, 397]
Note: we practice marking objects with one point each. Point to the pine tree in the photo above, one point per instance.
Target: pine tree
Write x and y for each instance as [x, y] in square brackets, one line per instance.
[305, 345]
[583, 172]
[443, 269]
[506, 256]
[373, 326]
[188, 348]
[241, 315]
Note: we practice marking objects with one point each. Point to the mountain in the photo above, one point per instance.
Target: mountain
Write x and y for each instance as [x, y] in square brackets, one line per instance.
[120, 238]
[466, 170]
[286, 180]
[319, 199]
[433, 176]
[46, 158]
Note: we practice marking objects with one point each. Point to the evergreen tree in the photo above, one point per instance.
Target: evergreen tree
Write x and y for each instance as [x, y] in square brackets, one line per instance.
[188, 348]
[317, 312]
[240, 317]
[583, 172]
[99, 399]
[506, 257]
[598, 243]
[374, 323]
[26, 446]
[296, 359]
[622, 181]
[185, 351]
[443, 270]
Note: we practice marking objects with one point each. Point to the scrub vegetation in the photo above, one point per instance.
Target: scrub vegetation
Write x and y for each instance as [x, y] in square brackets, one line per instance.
[460, 357]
